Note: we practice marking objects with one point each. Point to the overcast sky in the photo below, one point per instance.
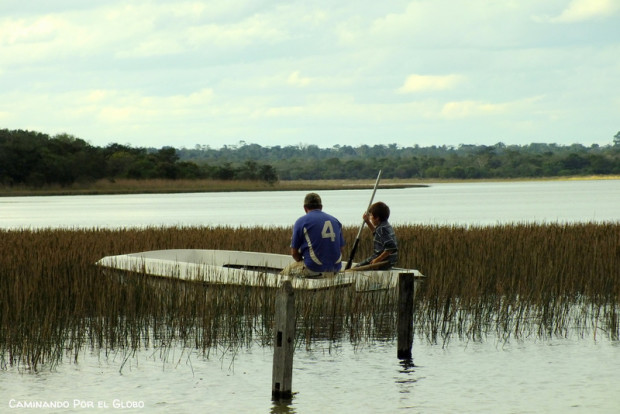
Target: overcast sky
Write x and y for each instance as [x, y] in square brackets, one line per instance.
[427, 72]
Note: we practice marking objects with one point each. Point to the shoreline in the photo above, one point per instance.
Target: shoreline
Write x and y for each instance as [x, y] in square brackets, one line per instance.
[159, 186]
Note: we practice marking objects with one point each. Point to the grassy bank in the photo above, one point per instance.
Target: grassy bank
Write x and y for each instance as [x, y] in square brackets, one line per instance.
[511, 281]
[127, 186]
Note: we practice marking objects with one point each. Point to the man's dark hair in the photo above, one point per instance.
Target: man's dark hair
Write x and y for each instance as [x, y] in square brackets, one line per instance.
[313, 201]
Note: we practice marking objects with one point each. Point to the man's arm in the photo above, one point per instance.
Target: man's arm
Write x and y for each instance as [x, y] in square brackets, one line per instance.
[296, 255]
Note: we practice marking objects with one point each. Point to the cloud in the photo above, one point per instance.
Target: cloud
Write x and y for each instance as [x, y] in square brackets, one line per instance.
[23, 31]
[106, 109]
[422, 83]
[277, 112]
[296, 80]
[253, 30]
[582, 10]
[113, 106]
[467, 109]
[472, 108]
[136, 30]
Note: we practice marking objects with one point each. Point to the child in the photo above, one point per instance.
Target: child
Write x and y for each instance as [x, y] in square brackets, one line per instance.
[385, 246]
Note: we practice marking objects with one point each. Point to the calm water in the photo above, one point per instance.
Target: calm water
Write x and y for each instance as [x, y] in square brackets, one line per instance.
[575, 374]
[554, 376]
[465, 203]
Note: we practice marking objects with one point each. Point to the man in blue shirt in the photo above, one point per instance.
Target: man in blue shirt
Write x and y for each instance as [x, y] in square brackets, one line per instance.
[317, 243]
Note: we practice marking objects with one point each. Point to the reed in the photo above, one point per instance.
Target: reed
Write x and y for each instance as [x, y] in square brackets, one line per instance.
[507, 281]
[134, 186]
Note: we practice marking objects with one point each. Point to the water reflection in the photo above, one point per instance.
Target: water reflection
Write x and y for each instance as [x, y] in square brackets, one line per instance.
[407, 366]
[406, 376]
[281, 406]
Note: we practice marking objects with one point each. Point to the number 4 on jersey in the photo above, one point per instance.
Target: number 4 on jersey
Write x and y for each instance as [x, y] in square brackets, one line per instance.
[328, 231]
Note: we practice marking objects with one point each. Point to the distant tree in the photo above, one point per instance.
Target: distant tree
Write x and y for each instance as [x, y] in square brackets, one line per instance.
[575, 163]
[268, 173]
[224, 172]
[35, 159]
[165, 161]
[190, 170]
[119, 163]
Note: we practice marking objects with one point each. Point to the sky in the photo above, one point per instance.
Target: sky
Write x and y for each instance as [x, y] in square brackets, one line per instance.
[350, 72]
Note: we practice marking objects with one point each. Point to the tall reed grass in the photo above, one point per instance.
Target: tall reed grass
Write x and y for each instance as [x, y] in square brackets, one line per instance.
[135, 186]
[509, 281]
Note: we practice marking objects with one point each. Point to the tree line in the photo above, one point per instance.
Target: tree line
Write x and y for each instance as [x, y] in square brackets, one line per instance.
[463, 162]
[37, 159]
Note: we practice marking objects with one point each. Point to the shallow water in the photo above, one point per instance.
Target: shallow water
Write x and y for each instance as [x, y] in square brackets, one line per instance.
[559, 375]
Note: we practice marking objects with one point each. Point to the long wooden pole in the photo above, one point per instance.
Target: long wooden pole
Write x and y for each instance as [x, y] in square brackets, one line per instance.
[284, 343]
[359, 233]
[406, 291]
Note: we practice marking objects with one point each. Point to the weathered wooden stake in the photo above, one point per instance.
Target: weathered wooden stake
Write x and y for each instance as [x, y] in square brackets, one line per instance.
[405, 314]
[284, 344]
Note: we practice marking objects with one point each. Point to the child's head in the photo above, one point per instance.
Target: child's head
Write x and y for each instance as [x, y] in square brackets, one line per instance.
[380, 210]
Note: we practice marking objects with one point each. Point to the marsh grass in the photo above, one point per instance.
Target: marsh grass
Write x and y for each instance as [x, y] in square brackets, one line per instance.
[519, 280]
[134, 186]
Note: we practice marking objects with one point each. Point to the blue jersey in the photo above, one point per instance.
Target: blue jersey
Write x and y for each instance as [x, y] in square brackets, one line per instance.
[318, 237]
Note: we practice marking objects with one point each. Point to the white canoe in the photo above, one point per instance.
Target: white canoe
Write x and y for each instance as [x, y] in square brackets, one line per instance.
[242, 268]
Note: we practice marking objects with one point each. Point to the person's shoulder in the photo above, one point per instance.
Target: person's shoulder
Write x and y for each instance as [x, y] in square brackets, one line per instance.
[320, 215]
[317, 213]
[333, 218]
[301, 220]
[384, 227]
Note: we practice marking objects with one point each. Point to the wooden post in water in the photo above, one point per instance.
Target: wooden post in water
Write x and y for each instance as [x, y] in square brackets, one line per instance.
[284, 343]
[405, 314]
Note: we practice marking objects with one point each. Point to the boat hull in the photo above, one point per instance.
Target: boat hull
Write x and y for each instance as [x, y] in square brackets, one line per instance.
[243, 268]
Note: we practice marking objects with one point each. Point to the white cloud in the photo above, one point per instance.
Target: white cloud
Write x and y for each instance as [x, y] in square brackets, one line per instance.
[107, 109]
[255, 29]
[135, 30]
[296, 79]
[117, 106]
[277, 112]
[451, 24]
[24, 31]
[467, 109]
[422, 83]
[582, 10]
[473, 108]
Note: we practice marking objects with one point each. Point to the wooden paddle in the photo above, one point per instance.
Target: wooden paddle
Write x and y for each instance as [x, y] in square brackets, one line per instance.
[359, 233]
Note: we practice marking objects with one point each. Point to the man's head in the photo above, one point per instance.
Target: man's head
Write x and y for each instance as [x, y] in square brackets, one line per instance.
[312, 202]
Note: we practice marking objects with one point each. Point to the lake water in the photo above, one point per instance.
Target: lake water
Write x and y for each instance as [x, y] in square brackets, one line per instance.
[552, 376]
[461, 203]
[574, 374]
